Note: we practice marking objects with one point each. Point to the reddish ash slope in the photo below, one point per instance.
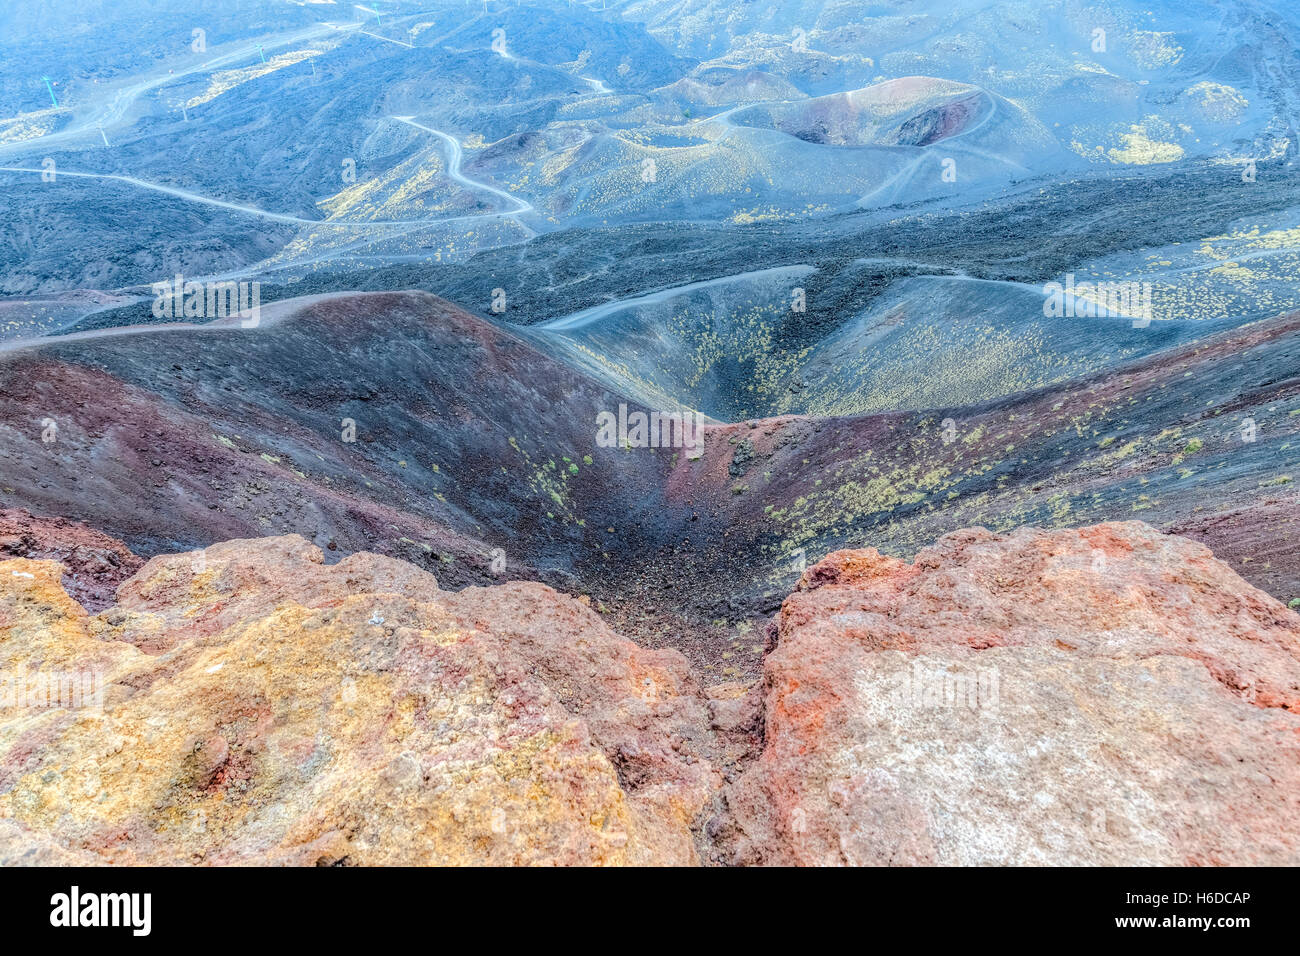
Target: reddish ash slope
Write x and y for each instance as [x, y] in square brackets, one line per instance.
[466, 439]
[94, 564]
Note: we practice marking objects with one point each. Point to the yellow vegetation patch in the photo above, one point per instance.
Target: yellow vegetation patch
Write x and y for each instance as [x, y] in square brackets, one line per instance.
[1140, 149]
[227, 80]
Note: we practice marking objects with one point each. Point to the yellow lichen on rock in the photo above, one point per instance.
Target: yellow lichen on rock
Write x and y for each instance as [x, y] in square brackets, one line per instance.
[262, 707]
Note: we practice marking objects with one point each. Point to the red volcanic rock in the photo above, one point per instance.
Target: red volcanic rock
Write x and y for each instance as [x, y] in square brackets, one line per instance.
[253, 705]
[94, 563]
[1108, 695]
[1117, 589]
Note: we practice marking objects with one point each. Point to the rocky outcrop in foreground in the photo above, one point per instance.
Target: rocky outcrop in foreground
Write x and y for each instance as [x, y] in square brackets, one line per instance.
[1108, 695]
[261, 707]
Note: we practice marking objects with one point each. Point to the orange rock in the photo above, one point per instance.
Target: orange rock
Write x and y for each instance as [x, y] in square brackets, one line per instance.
[1110, 695]
[1106, 695]
[263, 707]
